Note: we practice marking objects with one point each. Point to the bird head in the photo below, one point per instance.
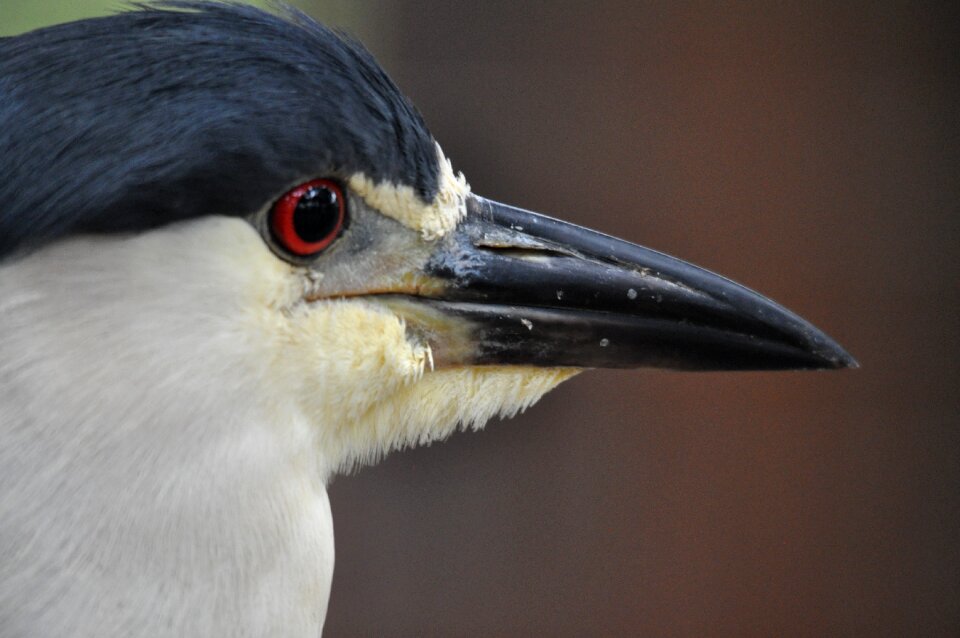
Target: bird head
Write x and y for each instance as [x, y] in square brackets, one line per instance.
[267, 170]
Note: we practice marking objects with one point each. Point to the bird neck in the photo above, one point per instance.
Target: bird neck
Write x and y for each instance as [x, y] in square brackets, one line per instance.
[143, 469]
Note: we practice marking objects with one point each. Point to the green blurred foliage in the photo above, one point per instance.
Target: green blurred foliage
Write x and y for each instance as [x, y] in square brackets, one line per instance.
[18, 16]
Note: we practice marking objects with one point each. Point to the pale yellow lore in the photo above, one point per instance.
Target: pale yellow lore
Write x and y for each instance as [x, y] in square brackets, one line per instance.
[400, 202]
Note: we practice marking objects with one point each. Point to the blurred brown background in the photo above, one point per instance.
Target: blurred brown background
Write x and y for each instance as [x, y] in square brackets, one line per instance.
[809, 150]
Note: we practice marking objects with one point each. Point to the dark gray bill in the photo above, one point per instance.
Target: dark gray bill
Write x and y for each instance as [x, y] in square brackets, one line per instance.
[532, 290]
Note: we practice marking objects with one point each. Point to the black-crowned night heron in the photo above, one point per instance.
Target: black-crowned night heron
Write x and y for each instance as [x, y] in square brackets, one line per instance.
[235, 262]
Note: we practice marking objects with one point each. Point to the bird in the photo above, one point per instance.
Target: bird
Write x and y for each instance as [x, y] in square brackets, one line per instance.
[234, 263]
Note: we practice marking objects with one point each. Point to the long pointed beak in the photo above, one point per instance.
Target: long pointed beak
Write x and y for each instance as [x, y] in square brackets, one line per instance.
[522, 288]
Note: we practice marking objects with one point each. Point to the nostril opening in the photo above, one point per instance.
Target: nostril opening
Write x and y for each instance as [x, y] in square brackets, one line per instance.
[524, 250]
[515, 252]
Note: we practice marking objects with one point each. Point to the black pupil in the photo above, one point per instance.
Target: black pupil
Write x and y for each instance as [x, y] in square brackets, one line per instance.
[316, 214]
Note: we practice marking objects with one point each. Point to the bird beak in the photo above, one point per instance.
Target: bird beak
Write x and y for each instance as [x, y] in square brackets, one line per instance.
[512, 287]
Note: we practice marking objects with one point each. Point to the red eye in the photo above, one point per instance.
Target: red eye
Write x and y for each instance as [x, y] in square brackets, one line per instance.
[309, 217]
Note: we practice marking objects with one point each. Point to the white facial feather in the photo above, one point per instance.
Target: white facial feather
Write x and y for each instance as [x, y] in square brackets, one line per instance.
[170, 411]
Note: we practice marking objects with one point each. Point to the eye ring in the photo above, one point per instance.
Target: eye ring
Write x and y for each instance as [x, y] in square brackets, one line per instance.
[308, 217]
